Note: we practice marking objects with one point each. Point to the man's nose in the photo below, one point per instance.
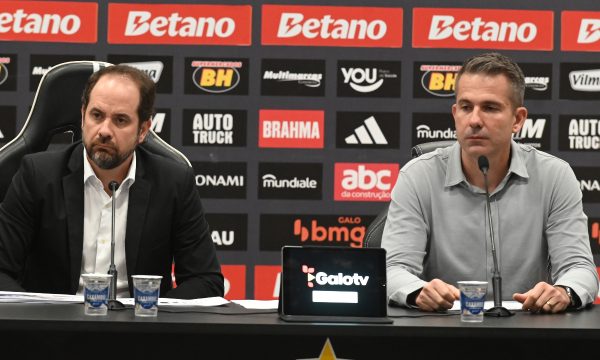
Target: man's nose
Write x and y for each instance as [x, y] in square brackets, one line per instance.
[105, 130]
[475, 118]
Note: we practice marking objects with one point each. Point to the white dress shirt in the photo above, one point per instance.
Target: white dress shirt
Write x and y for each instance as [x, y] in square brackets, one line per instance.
[97, 218]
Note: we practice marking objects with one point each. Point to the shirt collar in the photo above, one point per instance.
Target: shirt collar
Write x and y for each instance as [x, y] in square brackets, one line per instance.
[88, 171]
[455, 175]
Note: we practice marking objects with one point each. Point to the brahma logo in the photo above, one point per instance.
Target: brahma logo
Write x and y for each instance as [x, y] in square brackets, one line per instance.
[179, 24]
[331, 26]
[579, 132]
[364, 182]
[483, 28]
[436, 80]
[49, 21]
[322, 278]
[580, 31]
[291, 129]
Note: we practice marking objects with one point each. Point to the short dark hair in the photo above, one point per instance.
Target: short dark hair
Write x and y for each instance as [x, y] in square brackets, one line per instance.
[144, 83]
[496, 64]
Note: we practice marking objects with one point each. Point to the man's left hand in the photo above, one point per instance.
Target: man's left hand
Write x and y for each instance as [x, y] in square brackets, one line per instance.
[544, 298]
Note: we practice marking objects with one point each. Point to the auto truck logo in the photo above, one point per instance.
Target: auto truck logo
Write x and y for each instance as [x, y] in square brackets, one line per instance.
[152, 68]
[585, 80]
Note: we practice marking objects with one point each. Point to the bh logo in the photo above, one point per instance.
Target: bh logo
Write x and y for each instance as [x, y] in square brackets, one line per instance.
[309, 271]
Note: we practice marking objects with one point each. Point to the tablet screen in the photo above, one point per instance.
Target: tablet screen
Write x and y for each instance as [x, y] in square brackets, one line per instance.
[333, 281]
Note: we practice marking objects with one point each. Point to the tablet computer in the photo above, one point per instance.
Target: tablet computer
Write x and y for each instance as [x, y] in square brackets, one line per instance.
[333, 284]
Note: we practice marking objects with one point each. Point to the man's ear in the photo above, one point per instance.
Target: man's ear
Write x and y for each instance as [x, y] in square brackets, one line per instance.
[520, 117]
[144, 128]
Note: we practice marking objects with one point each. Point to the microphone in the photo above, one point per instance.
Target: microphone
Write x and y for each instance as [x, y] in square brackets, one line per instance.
[498, 310]
[113, 303]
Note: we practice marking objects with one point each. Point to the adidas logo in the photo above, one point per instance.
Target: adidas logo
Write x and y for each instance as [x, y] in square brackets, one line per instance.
[369, 133]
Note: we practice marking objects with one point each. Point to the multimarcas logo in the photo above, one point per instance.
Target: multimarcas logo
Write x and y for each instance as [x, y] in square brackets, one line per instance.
[331, 26]
[580, 31]
[179, 24]
[49, 21]
[483, 29]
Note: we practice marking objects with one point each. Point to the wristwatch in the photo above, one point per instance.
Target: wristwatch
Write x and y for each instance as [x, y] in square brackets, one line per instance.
[569, 294]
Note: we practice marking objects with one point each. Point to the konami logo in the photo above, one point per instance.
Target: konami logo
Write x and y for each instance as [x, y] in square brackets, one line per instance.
[364, 181]
[483, 29]
[179, 24]
[49, 21]
[580, 31]
[291, 129]
[331, 26]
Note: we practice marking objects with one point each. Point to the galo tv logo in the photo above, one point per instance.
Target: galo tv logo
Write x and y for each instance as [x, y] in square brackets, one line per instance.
[216, 76]
[322, 278]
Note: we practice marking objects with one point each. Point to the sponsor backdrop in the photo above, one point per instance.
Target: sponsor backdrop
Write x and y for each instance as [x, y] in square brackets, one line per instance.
[298, 115]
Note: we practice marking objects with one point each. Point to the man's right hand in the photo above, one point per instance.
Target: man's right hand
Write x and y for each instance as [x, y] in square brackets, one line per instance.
[436, 295]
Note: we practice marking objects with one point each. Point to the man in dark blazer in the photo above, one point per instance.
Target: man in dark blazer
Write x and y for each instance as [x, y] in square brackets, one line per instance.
[52, 226]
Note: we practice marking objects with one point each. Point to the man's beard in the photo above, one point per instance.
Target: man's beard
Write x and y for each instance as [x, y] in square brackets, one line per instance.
[104, 159]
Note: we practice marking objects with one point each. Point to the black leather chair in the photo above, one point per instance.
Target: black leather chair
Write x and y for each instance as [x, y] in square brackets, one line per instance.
[375, 229]
[56, 109]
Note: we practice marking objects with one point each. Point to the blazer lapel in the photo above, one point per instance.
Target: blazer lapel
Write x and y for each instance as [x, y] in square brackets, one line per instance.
[139, 197]
[73, 199]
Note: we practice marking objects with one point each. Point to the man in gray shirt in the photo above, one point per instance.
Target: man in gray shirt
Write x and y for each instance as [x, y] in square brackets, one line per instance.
[436, 233]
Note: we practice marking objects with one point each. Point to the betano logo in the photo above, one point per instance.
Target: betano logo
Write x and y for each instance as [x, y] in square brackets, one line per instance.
[482, 28]
[331, 26]
[49, 21]
[369, 133]
[216, 76]
[322, 278]
[439, 80]
[179, 24]
[349, 230]
[580, 30]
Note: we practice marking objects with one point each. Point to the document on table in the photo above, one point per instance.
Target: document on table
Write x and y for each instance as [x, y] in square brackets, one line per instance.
[510, 305]
[210, 301]
[27, 297]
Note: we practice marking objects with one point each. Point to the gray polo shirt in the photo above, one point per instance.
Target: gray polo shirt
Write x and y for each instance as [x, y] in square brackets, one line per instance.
[436, 226]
